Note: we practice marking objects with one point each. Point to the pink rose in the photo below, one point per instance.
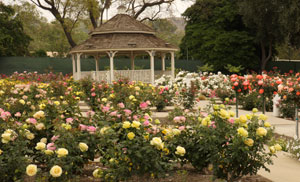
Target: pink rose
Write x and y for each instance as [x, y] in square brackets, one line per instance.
[93, 94]
[113, 113]
[146, 123]
[91, 129]
[105, 109]
[18, 114]
[82, 127]
[127, 112]
[55, 137]
[31, 120]
[143, 105]
[121, 105]
[50, 146]
[69, 120]
[181, 128]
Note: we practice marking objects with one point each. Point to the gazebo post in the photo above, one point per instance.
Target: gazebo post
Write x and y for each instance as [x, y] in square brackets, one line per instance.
[173, 65]
[132, 60]
[163, 64]
[78, 66]
[97, 66]
[111, 55]
[74, 67]
[152, 54]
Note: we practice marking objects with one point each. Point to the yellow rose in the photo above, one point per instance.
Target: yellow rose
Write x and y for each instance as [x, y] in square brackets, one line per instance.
[267, 124]
[83, 147]
[1, 151]
[62, 152]
[278, 147]
[40, 146]
[22, 101]
[261, 131]
[131, 97]
[176, 131]
[216, 107]
[137, 88]
[42, 106]
[272, 149]
[97, 173]
[254, 110]
[180, 151]
[156, 141]
[56, 171]
[263, 117]
[104, 99]
[126, 124]
[249, 142]
[48, 152]
[136, 124]
[39, 114]
[243, 119]
[112, 96]
[31, 170]
[103, 130]
[224, 114]
[6, 136]
[44, 140]
[248, 116]
[242, 132]
[231, 113]
[130, 135]
[56, 103]
[40, 126]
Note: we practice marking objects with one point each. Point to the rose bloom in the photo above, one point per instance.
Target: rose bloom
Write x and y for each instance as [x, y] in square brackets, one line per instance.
[40, 146]
[156, 141]
[261, 131]
[39, 114]
[50, 146]
[242, 132]
[56, 171]
[267, 124]
[263, 117]
[126, 124]
[83, 147]
[121, 105]
[48, 152]
[62, 152]
[278, 147]
[136, 124]
[249, 142]
[130, 135]
[243, 119]
[29, 136]
[180, 151]
[31, 170]
[40, 126]
[69, 120]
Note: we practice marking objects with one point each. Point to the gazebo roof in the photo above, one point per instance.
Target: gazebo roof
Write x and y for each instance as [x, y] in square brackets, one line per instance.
[124, 34]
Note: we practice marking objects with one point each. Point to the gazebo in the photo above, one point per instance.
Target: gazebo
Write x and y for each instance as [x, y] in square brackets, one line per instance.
[122, 35]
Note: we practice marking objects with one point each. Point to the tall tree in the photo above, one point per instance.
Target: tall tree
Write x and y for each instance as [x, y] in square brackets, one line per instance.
[215, 34]
[273, 22]
[66, 12]
[13, 40]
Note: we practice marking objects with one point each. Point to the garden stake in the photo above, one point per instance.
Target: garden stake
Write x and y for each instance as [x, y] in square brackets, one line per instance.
[297, 119]
[236, 104]
[264, 105]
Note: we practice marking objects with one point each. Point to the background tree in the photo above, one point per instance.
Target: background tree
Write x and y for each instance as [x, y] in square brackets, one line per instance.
[13, 40]
[273, 22]
[215, 35]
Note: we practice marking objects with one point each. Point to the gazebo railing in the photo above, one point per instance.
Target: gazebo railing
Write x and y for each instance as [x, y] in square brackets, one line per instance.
[134, 75]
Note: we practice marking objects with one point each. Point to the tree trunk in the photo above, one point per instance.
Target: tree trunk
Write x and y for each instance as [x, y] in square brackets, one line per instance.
[93, 20]
[65, 28]
[265, 54]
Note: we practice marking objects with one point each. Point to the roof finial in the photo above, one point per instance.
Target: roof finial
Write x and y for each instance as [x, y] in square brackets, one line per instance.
[122, 8]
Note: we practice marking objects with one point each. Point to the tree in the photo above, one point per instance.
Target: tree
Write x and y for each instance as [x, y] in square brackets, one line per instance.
[166, 30]
[215, 34]
[13, 40]
[273, 22]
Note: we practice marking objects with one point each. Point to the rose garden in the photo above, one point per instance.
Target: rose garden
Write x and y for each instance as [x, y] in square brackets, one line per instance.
[45, 135]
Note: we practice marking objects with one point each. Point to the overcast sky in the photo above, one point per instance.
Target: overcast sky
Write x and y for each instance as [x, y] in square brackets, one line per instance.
[179, 7]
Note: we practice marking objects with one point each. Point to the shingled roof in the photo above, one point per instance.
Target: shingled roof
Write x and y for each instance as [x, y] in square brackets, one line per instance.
[123, 33]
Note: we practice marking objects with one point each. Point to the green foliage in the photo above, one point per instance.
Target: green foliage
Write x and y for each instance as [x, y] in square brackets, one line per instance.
[13, 40]
[206, 68]
[234, 69]
[215, 34]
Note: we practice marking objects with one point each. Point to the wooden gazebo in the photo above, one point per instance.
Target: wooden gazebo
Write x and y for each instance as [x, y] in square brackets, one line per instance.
[123, 35]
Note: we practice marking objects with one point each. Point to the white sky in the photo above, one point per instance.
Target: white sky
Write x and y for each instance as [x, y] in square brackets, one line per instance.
[179, 7]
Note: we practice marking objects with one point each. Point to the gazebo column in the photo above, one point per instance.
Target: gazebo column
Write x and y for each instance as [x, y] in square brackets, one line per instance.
[163, 64]
[132, 60]
[111, 55]
[152, 54]
[97, 67]
[74, 67]
[173, 65]
[78, 66]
